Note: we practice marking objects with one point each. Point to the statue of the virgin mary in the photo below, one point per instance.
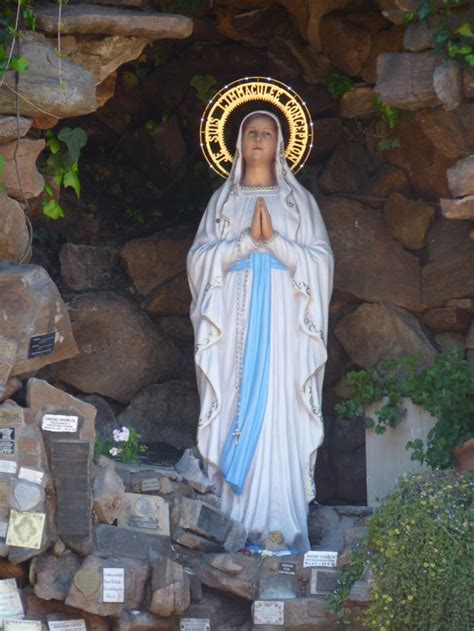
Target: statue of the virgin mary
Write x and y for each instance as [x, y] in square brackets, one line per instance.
[261, 273]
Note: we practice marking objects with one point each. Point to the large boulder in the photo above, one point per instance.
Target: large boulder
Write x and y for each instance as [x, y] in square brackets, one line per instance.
[370, 265]
[375, 331]
[449, 272]
[88, 267]
[14, 235]
[450, 132]
[31, 308]
[51, 87]
[346, 169]
[121, 350]
[351, 57]
[408, 220]
[461, 177]
[166, 412]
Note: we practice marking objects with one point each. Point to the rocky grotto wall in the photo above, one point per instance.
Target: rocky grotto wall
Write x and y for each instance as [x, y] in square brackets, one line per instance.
[93, 306]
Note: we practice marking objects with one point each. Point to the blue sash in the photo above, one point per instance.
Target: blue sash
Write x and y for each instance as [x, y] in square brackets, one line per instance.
[237, 458]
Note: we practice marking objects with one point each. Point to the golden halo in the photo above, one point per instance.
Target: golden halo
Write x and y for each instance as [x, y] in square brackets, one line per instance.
[236, 94]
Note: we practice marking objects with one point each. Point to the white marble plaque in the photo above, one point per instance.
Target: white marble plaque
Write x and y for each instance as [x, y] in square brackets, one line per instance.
[113, 585]
[10, 601]
[194, 624]
[21, 625]
[269, 612]
[320, 558]
[67, 625]
[31, 475]
[7, 466]
[25, 495]
[25, 530]
[59, 423]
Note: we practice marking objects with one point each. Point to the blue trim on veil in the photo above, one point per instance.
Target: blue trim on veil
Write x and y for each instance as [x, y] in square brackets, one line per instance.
[237, 458]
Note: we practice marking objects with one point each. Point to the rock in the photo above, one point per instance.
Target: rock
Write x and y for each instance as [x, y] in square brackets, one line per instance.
[375, 331]
[466, 304]
[360, 592]
[190, 469]
[448, 274]
[14, 235]
[170, 589]
[405, 80]
[462, 209]
[200, 518]
[171, 298]
[105, 421]
[308, 16]
[121, 349]
[108, 492]
[87, 267]
[419, 35]
[36, 608]
[388, 179]
[9, 129]
[88, 19]
[447, 319]
[292, 59]
[370, 264]
[41, 88]
[104, 55]
[346, 169]
[85, 591]
[451, 133]
[195, 542]
[408, 220]
[156, 259]
[43, 398]
[461, 177]
[31, 181]
[142, 621]
[254, 28]
[357, 103]
[236, 537]
[329, 132]
[223, 611]
[447, 82]
[12, 386]
[227, 578]
[131, 544]
[351, 57]
[468, 83]
[385, 41]
[31, 307]
[354, 536]
[166, 412]
[52, 575]
[178, 328]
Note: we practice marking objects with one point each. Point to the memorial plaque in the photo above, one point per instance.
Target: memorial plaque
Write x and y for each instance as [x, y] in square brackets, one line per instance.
[60, 423]
[31, 475]
[115, 541]
[113, 585]
[22, 625]
[41, 345]
[150, 484]
[7, 441]
[145, 513]
[211, 522]
[272, 586]
[11, 416]
[320, 558]
[25, 530]
[70, 467]
[287, 568]
[10, 601]
[67, 625]
[268, 612]
[323, 581]
[194, 624]
[24, 496]
[8, 466]
[87, 581]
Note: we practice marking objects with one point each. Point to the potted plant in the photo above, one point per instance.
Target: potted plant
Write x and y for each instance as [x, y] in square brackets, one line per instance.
[445, 390]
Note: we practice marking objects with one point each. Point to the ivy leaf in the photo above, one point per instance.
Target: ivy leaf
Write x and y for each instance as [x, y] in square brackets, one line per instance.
[52, 209]
[20, 64]
[70, 179]
[74, 139]
[465, 30]
[53, 145]
[203, 84]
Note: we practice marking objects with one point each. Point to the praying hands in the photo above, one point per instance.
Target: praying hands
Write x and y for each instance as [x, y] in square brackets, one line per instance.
[261, 228]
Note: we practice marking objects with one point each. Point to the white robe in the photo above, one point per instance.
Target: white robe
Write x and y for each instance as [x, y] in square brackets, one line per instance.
[280, 482]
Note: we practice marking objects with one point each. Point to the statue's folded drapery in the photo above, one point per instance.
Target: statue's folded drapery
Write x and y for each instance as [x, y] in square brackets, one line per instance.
[275, 487]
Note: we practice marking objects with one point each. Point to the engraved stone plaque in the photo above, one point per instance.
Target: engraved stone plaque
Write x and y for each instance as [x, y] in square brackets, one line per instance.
[67, 625]
[41, 345]
[21, 625]
[10, 601]
[145, 513]
[11, 416]
[194, 624]
[323, 581]
[115, 541]
[268, 612]
[8, 466]
[11, 422]
[30, 448]
[25, 530]
[24, 496]
[113, 585]
[70, 467]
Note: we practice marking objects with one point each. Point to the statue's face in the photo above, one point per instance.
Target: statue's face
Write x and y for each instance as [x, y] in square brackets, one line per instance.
[259, 141]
